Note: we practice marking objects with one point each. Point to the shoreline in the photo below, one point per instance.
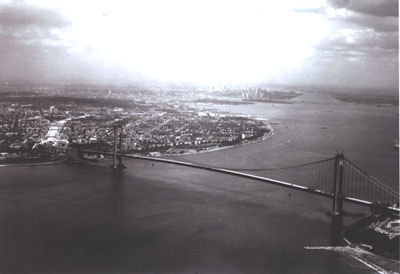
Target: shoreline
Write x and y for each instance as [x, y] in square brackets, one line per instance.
[34, 164]
[270, 134]
[52, 162]
[212, 149]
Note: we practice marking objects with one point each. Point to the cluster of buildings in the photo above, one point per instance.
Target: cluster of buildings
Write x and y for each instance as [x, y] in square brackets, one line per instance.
[21, 126]
[174, 130]
[148, 126]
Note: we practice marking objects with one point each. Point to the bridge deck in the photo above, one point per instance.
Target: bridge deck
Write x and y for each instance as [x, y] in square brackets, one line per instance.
[320, 192]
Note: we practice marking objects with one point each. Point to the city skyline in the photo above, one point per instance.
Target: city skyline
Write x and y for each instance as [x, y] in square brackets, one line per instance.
[336, 42]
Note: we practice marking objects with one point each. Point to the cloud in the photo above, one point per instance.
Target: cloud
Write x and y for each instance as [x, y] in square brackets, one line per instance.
[163, 41]
[379, 8]
[362, 42]
[381, 24]
[22, 15]
[317, 10]
[369, 35]
[30, 41]
[24, 24]
[339, 4]
[363, 14]
[347, 18]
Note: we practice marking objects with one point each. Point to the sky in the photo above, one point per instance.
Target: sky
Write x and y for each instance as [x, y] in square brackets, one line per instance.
[344, 43]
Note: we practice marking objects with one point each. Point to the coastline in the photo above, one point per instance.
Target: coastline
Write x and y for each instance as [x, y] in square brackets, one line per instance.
[270, 133]
[59, 162]
[266, 136]
[364, 133]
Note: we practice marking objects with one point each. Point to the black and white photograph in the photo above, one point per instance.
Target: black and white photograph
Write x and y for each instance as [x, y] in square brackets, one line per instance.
[184, 136]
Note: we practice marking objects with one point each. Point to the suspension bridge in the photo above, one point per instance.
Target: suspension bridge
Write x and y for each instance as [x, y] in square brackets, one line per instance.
[337, 177]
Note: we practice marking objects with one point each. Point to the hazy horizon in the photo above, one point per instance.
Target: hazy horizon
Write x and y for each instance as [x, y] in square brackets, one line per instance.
[337, 43]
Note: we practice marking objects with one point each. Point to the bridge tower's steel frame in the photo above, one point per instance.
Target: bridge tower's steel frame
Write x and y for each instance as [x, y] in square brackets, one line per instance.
[337, 208]
[120, 165]
[116, 157]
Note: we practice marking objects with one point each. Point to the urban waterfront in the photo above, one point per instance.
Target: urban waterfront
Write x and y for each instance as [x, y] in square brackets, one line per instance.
[89, 218]
[171, 136]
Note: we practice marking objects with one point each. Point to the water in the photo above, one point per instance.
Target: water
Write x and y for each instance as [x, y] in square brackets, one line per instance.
[159, 218]
[314, 128]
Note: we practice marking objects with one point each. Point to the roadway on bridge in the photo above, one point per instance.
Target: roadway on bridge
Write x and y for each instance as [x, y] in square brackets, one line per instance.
[159, 218]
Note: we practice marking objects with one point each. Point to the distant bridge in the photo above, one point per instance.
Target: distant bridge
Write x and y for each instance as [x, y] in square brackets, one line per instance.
[337, 177]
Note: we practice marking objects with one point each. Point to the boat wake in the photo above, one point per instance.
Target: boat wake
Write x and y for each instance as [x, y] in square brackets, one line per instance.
[377, 263]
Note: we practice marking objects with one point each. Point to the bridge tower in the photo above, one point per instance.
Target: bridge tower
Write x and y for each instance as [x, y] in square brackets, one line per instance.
[120, 165]
[116, 157]
[338, 185]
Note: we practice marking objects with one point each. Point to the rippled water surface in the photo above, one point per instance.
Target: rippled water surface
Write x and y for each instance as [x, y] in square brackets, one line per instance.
[314, 127]
[159, 218]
